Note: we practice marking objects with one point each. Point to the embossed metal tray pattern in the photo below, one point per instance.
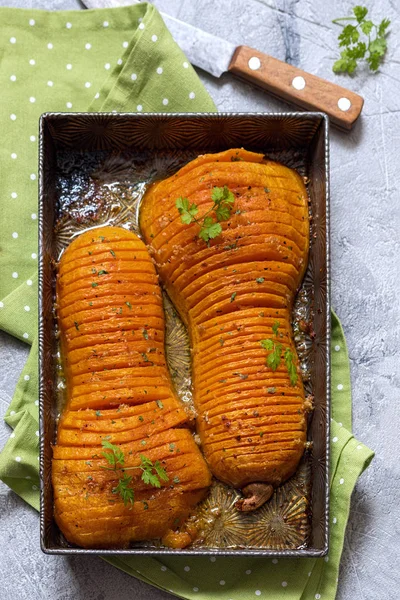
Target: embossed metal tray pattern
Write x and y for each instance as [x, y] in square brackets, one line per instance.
[94, 169]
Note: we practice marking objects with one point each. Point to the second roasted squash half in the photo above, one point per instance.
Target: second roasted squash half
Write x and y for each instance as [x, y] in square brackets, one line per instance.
[235, 293]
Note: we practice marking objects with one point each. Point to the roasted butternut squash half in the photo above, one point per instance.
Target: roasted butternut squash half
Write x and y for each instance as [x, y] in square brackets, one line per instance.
[125, 467]
[235, 292]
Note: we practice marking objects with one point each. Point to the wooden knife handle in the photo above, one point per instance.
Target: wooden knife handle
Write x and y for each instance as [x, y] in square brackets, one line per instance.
[297, 86]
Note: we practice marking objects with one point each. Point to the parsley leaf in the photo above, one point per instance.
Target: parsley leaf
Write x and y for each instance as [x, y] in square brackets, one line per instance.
[222, 194]
[360, 13]
[115, 456]
[349, 35]
[366, 27]
[267, 344]
[186, 210]
[273, 359]
[223, 212]
[152, 472]
[275, 328]
[383, 26]
[210, 229]
[372, 50]
[127, 493]
[291, 367]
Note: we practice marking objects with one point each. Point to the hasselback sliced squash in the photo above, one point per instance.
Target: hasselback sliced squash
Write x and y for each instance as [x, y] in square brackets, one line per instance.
[235, 294]
[111, 322]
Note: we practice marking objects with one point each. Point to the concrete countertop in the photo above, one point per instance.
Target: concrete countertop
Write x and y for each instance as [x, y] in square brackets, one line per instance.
[365, 294]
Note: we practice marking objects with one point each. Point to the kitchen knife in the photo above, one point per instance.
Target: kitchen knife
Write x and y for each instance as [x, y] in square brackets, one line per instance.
[217, 56]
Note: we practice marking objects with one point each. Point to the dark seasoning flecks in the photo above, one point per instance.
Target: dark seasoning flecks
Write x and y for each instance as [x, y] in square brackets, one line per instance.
[102, 188]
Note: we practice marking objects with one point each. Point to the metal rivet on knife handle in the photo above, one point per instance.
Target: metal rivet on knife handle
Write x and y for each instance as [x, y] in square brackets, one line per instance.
[254, 63]
[299, 83]
[344, 104]
[296, 86]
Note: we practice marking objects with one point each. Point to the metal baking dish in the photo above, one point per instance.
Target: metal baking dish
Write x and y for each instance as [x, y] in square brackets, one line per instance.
[93, 170]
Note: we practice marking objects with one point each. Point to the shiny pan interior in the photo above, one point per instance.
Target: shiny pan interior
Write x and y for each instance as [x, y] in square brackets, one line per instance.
[94, 169]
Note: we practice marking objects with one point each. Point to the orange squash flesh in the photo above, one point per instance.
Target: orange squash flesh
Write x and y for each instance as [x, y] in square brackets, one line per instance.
[111, 322]
[231, 293]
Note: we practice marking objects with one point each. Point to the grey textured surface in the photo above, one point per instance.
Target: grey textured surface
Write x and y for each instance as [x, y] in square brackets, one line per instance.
[365, 293]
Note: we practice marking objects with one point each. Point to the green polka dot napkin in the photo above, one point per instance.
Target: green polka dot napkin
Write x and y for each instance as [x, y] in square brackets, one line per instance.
[125, 60]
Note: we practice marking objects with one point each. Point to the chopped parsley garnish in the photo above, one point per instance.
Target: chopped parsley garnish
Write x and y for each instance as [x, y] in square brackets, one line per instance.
[76, 325]
[145, 334]
[129, 305]
[233, 297]
[159, 404]
[275, 328]
[260, 280]
[241, 375]
[102, 272]
[94, 284]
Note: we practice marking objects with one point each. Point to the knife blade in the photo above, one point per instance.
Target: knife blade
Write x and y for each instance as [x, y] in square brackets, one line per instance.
[217, 56]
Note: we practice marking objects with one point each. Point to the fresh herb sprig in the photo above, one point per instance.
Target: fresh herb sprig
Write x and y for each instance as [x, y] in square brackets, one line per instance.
[291, 367]
[210, 226]
[152, 473]
[374, 47]
[274, 357]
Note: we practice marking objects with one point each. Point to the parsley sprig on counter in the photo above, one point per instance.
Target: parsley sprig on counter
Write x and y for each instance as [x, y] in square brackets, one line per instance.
[152, 473]
[372, 48]
[210, 226]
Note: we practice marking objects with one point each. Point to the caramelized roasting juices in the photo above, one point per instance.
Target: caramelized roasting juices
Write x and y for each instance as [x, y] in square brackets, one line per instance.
[235, 294]
[111, 322]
